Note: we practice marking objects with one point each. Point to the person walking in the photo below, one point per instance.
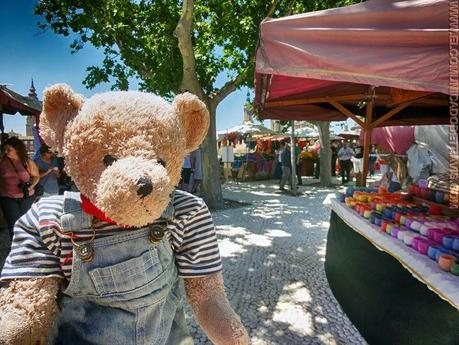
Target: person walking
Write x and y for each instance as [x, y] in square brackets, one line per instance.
[196, 169]
[186, 173]
[298, 165]
[334, 156]
[373, 159]
[344, 155]
[278, 171]
[286, 167]
[49, 171]
[18, 177]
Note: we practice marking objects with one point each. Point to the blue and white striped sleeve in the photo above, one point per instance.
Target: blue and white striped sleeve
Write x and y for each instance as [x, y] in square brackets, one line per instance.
[29, 256]
[198, 254]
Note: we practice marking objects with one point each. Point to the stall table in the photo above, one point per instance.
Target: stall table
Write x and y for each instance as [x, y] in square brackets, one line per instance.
[391, 293]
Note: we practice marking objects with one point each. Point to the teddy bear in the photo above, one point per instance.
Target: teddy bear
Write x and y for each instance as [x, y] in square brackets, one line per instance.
[115, 262]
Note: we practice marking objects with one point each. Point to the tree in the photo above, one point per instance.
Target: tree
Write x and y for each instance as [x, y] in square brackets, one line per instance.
[173, 46]
[325, 153]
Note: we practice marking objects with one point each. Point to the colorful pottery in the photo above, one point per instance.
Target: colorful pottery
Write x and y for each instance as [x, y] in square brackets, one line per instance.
[442, 251]
[367, 213]
[424, 193]
[456, 244]
[416, 225]
[394, 231]
[438, 235]
[432, 251]
[448, 241]
[408, 222]
[439, 197]
[389, 227]
[423, 246]
[409, 237]
[431, 194]
[455, 268]
[403, 219]
[445, 261]
[380, 207]
[435, 210]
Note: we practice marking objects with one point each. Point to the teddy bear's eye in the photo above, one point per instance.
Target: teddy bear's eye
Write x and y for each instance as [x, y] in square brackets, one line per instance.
[163, 163]
[109, 160]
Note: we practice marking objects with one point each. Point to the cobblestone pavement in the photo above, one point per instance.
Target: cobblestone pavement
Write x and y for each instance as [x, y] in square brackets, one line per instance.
[273, 257]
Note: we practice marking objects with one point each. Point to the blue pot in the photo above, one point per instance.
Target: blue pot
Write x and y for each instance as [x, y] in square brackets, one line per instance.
[389, 213]
[439, 197]
[442, 251]
[448, 241]
[432, 252]
[456, 244]
[349, 191]
[340, 196]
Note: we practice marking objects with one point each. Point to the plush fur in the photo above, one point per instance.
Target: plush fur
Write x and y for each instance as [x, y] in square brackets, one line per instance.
[27, 309]
[144, 138]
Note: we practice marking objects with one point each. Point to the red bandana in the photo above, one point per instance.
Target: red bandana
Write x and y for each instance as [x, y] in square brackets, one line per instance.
[91, 209]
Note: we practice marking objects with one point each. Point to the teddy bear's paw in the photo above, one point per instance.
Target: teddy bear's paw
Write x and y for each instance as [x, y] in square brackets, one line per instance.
[27, 309]
[15, 329]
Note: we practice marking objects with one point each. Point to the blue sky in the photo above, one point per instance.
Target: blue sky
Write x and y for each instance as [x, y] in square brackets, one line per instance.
[29, 53]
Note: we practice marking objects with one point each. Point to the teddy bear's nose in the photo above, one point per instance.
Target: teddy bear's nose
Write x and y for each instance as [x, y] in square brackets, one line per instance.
[145, 187]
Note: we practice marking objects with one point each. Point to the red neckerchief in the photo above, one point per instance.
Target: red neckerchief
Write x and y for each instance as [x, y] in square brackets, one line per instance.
[91, 209]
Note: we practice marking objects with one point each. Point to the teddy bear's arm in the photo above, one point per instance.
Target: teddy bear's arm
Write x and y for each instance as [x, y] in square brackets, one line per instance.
[213, 312]
[27, 309]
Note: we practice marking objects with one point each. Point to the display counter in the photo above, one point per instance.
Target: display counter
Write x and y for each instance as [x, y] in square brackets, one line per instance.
[392, 294]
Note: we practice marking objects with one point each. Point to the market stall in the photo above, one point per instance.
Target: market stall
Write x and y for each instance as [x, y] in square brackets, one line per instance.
[391, 292]
[357, 62]
[391, 260]
[250, 159]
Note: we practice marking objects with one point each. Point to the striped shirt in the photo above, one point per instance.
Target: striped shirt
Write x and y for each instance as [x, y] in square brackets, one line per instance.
[41, 249]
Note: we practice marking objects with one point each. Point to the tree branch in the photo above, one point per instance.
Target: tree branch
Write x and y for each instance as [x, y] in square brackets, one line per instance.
[182, 31]
[226, 89]
[231, 85]
[272, 8]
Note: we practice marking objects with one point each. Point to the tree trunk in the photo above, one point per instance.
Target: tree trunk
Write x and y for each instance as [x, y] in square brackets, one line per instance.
[212, 191]
[325, 154]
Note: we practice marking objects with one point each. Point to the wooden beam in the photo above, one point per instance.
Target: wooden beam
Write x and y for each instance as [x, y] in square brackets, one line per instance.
[345, 111]
[367, 142]
[399, 96]
[271, 104]
[424, 101]
[432, 101]
[389, 114]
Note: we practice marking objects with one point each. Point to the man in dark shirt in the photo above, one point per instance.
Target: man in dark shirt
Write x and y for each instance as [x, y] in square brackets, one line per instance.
[286, 167]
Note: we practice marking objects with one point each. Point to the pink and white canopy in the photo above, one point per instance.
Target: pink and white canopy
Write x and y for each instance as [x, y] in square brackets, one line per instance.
[385, 43]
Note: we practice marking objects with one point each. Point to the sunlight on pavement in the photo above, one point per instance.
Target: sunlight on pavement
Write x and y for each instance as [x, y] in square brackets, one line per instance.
[277, 233]
[289, 309]
[231, 231]
[229, 248]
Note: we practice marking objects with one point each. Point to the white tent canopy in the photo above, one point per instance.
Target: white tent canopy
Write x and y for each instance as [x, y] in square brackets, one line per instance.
[246, 128]
[306, 132]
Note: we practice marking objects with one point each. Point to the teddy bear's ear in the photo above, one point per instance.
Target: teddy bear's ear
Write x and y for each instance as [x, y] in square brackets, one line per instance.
[194, 118]
[60, 106]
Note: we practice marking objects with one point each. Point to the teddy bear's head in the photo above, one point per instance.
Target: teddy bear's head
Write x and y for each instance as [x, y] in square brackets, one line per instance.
[124, 149]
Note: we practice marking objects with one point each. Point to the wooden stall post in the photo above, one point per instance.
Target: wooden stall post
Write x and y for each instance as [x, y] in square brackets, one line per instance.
[293, 160]
[366, 142]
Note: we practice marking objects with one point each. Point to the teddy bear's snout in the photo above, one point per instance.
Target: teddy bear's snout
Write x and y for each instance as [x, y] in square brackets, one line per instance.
[145, 187]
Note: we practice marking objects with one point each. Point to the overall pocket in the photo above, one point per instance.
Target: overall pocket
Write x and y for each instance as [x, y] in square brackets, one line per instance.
[127, 276]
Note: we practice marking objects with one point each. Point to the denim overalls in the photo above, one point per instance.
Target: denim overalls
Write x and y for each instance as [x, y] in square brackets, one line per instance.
[129, 293]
